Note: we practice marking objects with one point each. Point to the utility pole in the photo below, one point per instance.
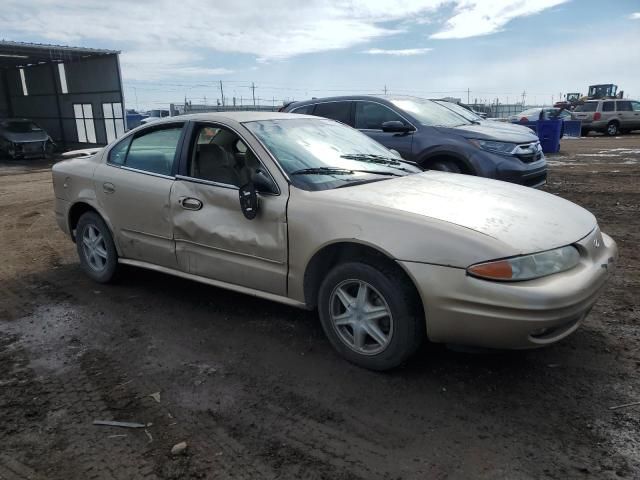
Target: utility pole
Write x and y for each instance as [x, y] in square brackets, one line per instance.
[524, 96]
[385, 89]
[221, 93]
[253, 93]
[468, 95]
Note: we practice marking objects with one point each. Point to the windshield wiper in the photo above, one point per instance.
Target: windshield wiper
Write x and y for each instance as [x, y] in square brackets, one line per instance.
[323, 171]
[340, 171]
[372, 158]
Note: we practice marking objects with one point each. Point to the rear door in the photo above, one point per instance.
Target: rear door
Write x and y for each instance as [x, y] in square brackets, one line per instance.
[635, 106]
[133, 188]
[369, 117]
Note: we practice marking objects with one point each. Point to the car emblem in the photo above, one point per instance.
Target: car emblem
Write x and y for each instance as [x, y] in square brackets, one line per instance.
[596, 243]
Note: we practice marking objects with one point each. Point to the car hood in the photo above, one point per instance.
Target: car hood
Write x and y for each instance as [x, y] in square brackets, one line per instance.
[507, 127]
[24, 137]
[485, 132]
[525, 219]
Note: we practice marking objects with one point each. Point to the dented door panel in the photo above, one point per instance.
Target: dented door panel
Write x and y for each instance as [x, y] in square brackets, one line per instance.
[218, 242]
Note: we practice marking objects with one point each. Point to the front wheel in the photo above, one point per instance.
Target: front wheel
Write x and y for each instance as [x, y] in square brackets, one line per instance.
[445, 166]
[97, 252]
[370, 315]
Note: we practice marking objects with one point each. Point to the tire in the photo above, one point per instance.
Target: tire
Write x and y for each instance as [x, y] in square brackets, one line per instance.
[612, 130]
[400, 323]
[445, 166]
[584, 132]
[97, 252]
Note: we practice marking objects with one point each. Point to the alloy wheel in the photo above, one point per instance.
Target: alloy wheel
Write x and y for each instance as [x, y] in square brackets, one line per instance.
[361, 317]
[94, 248]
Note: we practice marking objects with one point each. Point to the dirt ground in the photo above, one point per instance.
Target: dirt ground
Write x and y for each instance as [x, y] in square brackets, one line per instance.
[255, 390]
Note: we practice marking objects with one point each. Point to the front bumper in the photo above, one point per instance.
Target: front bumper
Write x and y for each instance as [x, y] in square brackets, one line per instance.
[464, 310]
[511, 169]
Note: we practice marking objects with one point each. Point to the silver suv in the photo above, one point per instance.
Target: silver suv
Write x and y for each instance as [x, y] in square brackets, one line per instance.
[609, 116]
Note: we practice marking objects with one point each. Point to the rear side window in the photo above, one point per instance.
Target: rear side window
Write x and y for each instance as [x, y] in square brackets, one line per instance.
[305, 109]
[334, 110]
[587, 107]
[371, 115]
[624, 106]
[119, 152]
[609, 106]
[154, 152]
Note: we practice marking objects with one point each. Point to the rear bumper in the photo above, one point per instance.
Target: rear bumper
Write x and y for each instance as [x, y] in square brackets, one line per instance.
[464, 310]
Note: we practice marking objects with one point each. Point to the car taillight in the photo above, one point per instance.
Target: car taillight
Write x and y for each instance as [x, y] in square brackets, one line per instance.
[524, 120]
[596, 116]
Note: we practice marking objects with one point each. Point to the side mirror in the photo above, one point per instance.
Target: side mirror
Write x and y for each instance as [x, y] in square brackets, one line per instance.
[248, 200]
[263, 182]
[396, 126]
[395, 152]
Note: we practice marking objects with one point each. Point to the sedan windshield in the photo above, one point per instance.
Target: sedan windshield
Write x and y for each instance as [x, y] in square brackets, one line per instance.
[320, 154]
[17, 126]
[429, 113]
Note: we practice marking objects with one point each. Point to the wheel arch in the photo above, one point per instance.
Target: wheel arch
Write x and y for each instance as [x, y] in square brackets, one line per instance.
[462, 162]
[80, 208]
[332, 254]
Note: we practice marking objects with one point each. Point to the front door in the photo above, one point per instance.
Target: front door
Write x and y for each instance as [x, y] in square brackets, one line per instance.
[370, 116]
[213, 237]
[133, 188]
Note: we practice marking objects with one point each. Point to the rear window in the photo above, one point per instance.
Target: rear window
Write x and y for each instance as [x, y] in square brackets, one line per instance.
[305, 109]
[587, 107]
[339, 111]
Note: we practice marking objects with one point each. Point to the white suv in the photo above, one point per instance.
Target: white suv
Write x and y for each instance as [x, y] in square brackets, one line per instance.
[609, 116]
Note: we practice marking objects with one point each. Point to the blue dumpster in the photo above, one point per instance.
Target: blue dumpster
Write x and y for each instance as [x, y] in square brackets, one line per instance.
[549, 133]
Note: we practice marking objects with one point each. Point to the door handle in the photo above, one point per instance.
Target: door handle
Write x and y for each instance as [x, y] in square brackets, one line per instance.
[108, 187]
[189, 203]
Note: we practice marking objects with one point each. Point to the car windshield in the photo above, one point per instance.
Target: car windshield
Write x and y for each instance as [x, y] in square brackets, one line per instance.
[320, 154]
[429, 113]
[463, 112]
[587, 107]
[15, 126]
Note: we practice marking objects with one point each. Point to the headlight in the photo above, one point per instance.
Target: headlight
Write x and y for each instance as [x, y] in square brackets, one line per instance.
[493, 146]
[528, 267]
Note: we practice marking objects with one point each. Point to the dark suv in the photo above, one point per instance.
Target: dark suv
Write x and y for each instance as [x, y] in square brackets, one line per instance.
[436, 138]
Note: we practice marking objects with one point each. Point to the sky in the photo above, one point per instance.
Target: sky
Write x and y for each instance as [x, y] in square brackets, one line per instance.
[292, 49]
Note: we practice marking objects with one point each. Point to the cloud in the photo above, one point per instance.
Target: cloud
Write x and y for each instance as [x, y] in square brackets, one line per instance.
[405, 52]
[634, 16]
[473, 18]
[150, 65]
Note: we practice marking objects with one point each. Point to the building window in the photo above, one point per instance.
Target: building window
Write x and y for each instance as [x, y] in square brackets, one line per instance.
[23, 80]
[63, 78]
[113, 120]
[84, 122]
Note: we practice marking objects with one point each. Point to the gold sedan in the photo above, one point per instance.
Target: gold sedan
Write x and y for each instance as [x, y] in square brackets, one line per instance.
[309, 212]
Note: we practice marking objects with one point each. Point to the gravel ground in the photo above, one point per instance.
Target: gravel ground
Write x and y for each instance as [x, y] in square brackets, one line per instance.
[256, 391]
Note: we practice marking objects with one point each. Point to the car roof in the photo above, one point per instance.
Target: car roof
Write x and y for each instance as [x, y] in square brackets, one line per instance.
[240, 117]
[344, 98]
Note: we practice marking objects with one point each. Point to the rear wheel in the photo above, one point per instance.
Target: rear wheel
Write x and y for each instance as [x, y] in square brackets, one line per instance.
[370, 315]
[97, 252]
[613, 129]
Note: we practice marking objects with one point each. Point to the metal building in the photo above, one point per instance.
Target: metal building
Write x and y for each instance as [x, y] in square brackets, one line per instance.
[74, 93]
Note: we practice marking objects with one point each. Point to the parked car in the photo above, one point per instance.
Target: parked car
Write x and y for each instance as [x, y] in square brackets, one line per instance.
[436, 138]
[474, 118]
[540, 113]
[611, 117]
[311, 213]
[23, 138]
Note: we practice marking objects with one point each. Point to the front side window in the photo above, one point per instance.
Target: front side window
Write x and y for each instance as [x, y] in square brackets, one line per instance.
[623, 106]
[119, 152]
[609, 106]
[155, 151]
[220, 155]
[371, 116]
[320, 154]
[340, 111]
